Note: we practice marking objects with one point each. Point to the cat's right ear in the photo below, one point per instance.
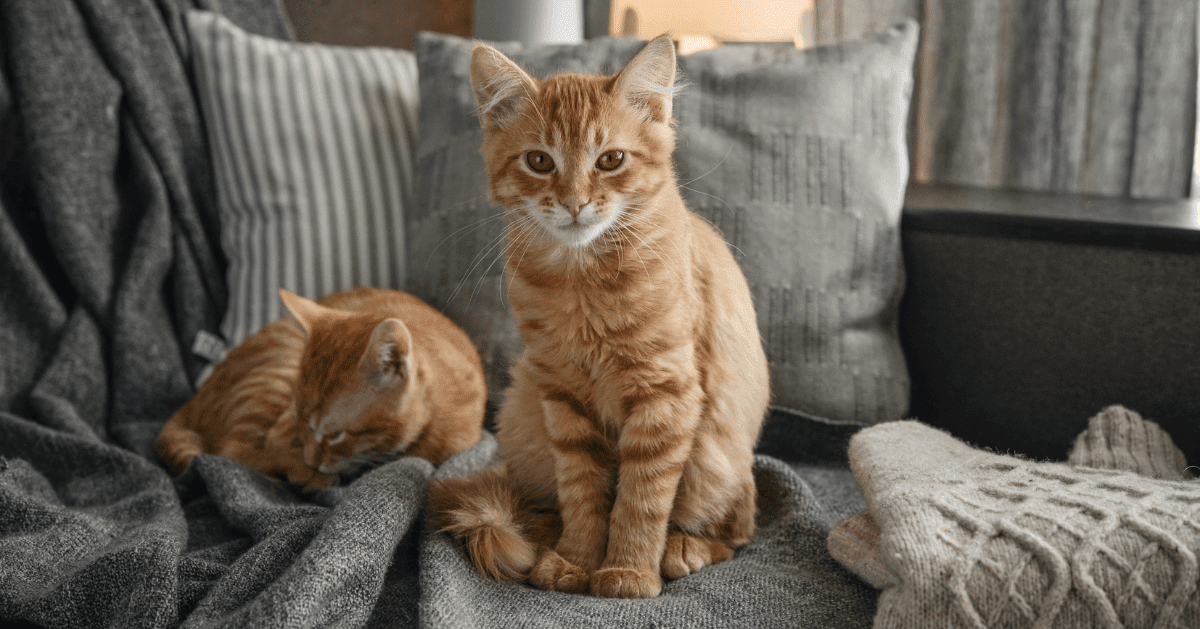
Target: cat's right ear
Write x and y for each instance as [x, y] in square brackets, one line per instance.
[648, 81]
[300, 311]
[388, 357]
[499, 84]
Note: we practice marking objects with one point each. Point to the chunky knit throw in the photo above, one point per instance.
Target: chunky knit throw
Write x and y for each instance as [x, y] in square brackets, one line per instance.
[959, 537]
[1119, 439]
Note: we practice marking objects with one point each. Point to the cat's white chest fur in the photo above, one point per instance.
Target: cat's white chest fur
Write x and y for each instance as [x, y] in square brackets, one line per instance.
[581, 229]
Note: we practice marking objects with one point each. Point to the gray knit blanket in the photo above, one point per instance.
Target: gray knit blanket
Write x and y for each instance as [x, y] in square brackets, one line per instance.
[110, 266]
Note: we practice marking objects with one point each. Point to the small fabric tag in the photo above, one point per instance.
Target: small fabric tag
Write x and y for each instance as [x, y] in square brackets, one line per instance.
[209, 346]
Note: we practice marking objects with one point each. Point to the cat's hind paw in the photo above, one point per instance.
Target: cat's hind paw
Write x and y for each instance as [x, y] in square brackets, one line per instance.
[625, 583]
[552, 572]
[686, 554]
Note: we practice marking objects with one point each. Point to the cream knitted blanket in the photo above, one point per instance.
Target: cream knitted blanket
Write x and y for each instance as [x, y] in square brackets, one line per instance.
[959, 537]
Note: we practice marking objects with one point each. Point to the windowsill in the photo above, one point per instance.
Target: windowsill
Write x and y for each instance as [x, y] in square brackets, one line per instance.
[1171, 225]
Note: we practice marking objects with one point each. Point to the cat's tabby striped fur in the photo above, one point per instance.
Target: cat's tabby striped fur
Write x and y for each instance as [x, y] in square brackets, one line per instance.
[368, 373]
[633, 413]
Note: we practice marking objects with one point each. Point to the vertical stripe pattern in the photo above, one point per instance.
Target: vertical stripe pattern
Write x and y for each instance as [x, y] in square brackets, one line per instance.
[1082, 96]
[313, 148]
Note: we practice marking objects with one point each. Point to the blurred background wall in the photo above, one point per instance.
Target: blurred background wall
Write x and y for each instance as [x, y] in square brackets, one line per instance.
[377, 22]
[1089, 96]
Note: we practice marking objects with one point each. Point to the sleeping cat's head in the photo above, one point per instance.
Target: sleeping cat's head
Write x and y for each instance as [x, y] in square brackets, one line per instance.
[355, 384]
[574, 155]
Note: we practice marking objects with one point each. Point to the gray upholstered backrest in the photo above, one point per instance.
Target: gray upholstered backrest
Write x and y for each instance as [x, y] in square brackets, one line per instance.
[1014, 338]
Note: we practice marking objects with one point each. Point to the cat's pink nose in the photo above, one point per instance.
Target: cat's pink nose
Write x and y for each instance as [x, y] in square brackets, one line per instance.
[576, 207]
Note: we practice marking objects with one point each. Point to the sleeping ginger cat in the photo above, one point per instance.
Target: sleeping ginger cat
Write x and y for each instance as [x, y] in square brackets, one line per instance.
[369, 373]
[627, 432]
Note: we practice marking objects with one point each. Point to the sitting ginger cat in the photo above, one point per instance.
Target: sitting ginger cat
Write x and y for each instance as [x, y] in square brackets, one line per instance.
[627, 435]
[356, 377]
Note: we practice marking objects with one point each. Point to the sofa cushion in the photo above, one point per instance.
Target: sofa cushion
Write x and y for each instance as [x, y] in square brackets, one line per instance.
[796, 156]
[312, 147]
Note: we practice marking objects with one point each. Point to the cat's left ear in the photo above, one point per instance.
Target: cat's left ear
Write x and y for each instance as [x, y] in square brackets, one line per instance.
[388, 357]
[300, 311]
[648, 81]
[500, 85]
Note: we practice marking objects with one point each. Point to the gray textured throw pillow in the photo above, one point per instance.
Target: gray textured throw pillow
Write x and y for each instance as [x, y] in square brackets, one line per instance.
[797, 157]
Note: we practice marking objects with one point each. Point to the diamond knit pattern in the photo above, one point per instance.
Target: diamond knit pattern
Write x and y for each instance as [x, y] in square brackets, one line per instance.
[977, 539]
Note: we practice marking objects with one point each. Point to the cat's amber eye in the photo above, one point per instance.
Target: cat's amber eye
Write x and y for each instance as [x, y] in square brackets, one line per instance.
[539, 161]
[610, 160]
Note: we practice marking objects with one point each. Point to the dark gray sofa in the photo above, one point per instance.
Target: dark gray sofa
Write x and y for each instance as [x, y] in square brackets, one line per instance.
[1026, 313]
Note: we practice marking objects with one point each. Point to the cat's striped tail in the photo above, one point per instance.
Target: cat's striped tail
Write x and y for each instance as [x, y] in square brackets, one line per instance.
[499, 530]
[178, 445]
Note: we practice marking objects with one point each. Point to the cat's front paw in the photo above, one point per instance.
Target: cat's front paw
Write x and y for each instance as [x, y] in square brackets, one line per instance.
[625, 583]
[321, 481]
[311, 480]
[552, 572]
[686, 554]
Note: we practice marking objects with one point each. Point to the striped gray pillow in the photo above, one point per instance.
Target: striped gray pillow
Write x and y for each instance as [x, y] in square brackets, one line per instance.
[313, 154]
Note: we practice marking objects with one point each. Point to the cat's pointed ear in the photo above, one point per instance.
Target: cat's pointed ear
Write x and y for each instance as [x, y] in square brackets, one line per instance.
[648, 81]
[389, 353]
[301, 311]
[499, 84]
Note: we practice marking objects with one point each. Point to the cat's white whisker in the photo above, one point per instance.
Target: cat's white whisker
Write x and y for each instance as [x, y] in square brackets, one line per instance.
[478, 260]
[659, 253]
[647, 247]
[472, 226]
[629, 225]
[713, 196]
[723, 237]
[649, 281]
[527, 238]
[483, 276]
[710, 223]
[710, 170]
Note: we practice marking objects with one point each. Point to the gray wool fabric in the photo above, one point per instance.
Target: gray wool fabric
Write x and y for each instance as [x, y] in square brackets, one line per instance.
[108, 230]
[782, 578]
[959, 537]
[1116, 439]
[1120, 439]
